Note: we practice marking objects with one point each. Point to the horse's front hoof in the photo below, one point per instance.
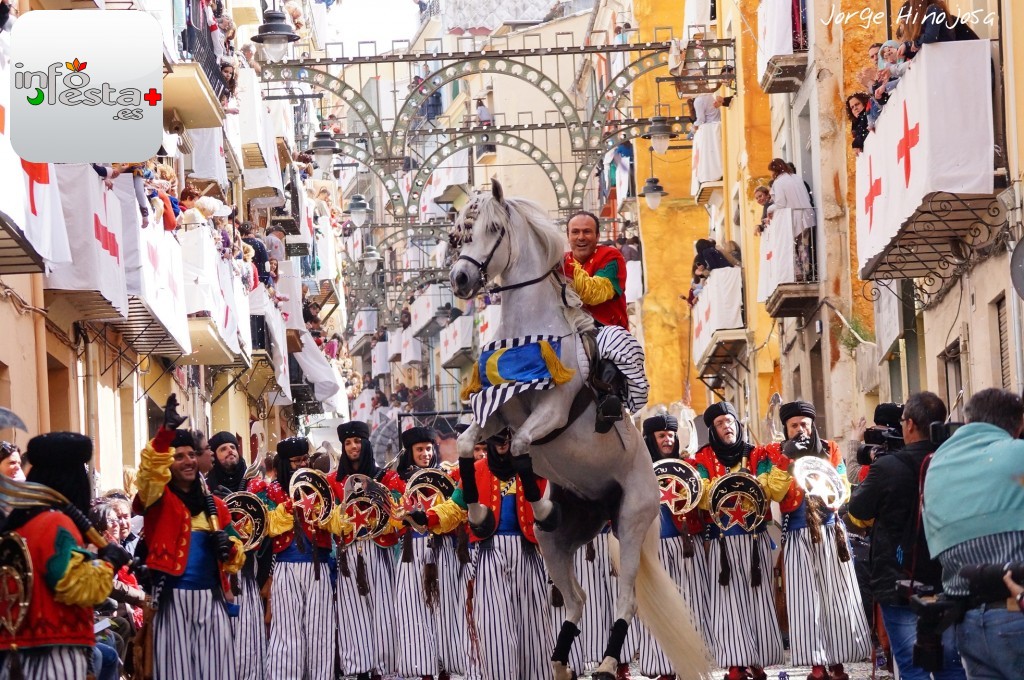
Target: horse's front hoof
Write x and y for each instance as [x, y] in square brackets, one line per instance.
[553, 520]
[486, 527]
[562, 671]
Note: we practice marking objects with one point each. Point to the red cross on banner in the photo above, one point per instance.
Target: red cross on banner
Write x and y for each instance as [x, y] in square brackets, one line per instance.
[38, 173]
[707, 314]
[106, 238]
[911, 138]
[699, 330]
[154, 256]
[874, 191]
[768, 255]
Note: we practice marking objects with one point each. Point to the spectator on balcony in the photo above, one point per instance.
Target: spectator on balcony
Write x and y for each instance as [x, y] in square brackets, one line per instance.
[707, 109]
[857, 108]
[874, 52]
[790, 192]
[763, 196]
[483, 114]
[227, 74]
[260, 256]
[711, 256]
[272, 272]
[927, 21]
[200, 213]
[275, 242]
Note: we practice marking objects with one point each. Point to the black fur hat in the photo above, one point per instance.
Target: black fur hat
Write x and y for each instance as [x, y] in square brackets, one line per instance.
[58, 461]
[355, 428]
[418, 435]
[222, 438]
[662, 423]
[293, 447]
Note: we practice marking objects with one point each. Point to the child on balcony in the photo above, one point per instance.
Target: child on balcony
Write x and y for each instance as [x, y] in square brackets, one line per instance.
[140, 173]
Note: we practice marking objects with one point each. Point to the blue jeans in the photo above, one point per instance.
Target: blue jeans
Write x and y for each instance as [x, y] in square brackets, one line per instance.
[901, 627]
[105, 664]
[992, 644]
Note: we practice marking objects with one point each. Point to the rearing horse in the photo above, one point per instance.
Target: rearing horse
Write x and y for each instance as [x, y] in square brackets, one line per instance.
[592, 478]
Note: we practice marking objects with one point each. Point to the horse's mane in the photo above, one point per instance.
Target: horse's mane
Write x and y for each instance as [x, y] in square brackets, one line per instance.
[535, 219]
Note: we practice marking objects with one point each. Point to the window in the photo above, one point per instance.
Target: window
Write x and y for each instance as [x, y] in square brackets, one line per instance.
[1004, 343]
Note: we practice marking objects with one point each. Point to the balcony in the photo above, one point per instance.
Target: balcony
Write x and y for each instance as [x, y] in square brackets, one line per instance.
[787, 278]
[926, 196]
[782, 50]
[269, 347]
[380, 359]
[92, 285]
[706, 177]
[192, 89]
[412, 349]
[457, 342]
[428, 311]
[364, 325]
[210, 300]
[157, 322]
[490, 319]
[261, 166]
[719, 335]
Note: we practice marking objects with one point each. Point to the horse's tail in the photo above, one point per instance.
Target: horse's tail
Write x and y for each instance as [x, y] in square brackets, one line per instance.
[664, 611]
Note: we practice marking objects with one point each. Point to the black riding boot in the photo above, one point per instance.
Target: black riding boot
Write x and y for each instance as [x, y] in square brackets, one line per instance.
[610, 384]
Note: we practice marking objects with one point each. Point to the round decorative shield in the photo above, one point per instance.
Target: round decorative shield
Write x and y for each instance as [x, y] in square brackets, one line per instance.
[738, 500]
[367, 505]
[817, 477]
[15, 581]
[248, 517]
[311, 493]
[426, 488]
[680, 485]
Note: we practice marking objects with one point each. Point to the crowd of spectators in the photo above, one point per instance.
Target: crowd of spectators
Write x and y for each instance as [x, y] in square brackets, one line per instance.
[922, 22]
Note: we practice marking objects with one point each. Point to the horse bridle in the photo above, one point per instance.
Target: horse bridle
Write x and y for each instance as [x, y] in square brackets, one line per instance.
[482, 266]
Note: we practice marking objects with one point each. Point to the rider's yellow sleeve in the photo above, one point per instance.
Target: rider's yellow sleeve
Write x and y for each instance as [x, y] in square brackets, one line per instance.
[593, 290]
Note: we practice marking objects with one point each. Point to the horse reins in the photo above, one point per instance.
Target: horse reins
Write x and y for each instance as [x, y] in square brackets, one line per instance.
[482, 266]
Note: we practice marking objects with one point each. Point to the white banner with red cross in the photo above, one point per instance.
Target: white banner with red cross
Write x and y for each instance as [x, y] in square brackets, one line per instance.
[935, 134]
[719, 307]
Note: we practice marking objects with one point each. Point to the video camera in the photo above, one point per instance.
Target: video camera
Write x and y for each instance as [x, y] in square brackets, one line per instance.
[938, 433]
[986, 580]
[885, 437]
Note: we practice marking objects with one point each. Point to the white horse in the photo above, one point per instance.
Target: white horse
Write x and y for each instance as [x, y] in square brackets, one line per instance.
[592, 478]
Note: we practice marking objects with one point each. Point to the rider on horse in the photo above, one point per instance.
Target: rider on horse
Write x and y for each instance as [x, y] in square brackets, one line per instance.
[599, 277]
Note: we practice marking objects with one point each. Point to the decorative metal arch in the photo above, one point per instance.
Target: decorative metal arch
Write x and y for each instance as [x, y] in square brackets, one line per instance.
[535, 153]
[605, 103]
[607, 142]
[346, 92]
[363, 157]
[498, 65]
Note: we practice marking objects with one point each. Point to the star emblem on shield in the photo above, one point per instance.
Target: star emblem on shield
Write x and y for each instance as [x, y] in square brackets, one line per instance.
[674, 494]
[735, 510]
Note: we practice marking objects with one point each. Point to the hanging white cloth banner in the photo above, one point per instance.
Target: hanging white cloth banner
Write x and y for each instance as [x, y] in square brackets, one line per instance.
[775, 32]
[719, 307]
[208, 155]
[778, 258]
[707, 155]
[316, 369]
[93, 218]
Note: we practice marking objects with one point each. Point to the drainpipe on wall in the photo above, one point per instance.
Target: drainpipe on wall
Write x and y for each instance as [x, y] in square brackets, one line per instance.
[92, 426]
[1010, 97]
[42, 369]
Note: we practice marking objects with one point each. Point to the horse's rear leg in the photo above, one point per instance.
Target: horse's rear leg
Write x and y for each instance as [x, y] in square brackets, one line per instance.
[636, 514]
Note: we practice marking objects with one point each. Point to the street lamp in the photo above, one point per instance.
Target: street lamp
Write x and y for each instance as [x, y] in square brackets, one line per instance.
[323, 149]
[659, 132]
[275, 34]
[357, 209]
[652, 193]
[371, 258]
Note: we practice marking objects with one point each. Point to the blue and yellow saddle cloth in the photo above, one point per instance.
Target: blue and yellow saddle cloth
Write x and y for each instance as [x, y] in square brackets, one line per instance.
[511, 366]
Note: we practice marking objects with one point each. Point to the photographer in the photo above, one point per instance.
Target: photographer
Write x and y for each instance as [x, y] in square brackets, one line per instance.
[974, 515]
[888, 502]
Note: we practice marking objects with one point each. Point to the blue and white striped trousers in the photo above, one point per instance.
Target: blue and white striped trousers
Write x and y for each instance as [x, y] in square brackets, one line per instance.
[416, 635]
[691, 577]
[250, 631]
[598, 583]
[826, 615]
[450, 615]
[365, 622]
[60, 662]
[302, 624]
[192, 637]
[744, 624]
[511, 610]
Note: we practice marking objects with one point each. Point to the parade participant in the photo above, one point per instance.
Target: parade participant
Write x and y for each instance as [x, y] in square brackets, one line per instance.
[302, 628]
[743, 625]
[417, 649]
[598, 274]
[681, 551]
[511, 622]
[191, 556]
[228, 468]
[366, 572]
[827, 627]
[226, 477]
[55, 640]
